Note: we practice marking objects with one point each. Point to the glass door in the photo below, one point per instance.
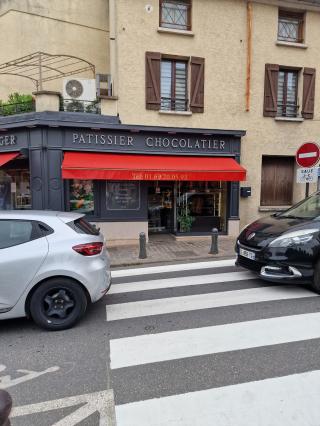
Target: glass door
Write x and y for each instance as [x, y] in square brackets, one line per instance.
[160, 207]
[201, 206]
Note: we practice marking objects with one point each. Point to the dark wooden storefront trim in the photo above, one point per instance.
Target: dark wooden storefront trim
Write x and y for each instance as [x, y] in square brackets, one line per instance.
[45, 136]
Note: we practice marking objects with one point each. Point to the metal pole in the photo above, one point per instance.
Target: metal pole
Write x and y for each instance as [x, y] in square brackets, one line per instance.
[5, 408]
[214, 242]
[307, 189]
[142, 246]
[175, 191]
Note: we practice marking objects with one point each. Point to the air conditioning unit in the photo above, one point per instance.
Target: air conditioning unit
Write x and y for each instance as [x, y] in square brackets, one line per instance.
[79, 89]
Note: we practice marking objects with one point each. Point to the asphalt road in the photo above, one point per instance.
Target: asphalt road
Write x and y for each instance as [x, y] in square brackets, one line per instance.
[172, 347]
[213, 347]
[71, 363]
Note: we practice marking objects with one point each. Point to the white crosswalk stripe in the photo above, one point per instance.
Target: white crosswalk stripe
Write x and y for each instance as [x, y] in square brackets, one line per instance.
[209, 340]
[284, 399]
[181, 282]
[172, 268]
[202, 301]
[273, 402]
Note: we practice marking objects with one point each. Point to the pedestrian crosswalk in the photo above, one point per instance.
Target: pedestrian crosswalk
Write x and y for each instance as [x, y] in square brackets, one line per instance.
[202, 301]
[212, 345]
[272, 402]
[180, 282]
[209, 340]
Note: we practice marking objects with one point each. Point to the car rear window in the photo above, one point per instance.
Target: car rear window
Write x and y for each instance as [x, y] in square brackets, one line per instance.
[83, 227]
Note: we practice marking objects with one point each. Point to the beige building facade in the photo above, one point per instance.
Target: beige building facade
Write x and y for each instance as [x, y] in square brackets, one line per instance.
[55, 27]
[211, 64]
[219, 34]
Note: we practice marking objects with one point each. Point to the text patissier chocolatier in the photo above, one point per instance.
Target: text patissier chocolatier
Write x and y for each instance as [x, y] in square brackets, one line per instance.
[151, 142]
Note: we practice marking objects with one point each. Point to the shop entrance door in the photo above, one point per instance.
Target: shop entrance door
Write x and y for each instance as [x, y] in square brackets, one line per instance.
[160, 207]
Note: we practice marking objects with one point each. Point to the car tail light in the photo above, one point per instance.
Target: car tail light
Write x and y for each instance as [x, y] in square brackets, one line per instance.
[89, 249]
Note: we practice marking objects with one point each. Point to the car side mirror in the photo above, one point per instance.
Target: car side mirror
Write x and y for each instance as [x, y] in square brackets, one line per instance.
[276, 214]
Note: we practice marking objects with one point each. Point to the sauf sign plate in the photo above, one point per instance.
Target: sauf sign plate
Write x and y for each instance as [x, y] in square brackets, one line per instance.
[307, 175]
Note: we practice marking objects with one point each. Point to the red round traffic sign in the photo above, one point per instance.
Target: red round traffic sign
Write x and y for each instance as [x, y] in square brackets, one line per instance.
[308, 154]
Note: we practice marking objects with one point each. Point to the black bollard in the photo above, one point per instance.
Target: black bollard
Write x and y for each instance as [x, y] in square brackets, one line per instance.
[142, 246]
[5, 408]
[214, 242]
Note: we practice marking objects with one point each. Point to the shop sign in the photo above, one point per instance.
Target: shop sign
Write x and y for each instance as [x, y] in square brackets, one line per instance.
[101, 139]
[307, 175]
[206, 144]
[158, 176]
[131, 142]
[8, 140]
[122, 195]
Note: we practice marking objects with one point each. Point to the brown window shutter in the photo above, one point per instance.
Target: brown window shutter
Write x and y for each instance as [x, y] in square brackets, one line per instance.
[309, 84]
[270, 90]
[153, 99]
[197, 84]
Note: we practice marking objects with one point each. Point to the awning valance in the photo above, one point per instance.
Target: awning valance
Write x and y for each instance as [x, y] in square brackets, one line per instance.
[149, 167]
[5, 157]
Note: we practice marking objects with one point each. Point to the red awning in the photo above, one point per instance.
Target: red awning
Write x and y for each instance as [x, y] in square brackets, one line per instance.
[149, 167]
[5, 157]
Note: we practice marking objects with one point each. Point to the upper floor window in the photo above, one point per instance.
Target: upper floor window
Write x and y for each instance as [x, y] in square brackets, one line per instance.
[168, 85]
[290, 26]
[287, 93]
[173, 85]
[175, 14]
[281, 91]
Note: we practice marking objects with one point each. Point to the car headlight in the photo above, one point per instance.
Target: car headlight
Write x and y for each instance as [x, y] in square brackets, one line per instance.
[294, 238]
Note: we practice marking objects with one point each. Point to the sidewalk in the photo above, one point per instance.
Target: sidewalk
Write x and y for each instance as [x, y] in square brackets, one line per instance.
[165, 248]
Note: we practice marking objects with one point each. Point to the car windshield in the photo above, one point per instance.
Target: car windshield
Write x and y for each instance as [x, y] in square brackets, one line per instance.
[306, 209]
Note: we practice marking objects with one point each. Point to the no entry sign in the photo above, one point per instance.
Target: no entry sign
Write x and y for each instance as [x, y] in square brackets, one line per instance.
[308, 154]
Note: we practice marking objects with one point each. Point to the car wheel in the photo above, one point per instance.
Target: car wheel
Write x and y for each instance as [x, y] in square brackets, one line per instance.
[58, 304]
[316, 278]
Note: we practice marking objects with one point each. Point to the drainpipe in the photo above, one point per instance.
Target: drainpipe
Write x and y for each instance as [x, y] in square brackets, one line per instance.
[249, 54]
[113, 46]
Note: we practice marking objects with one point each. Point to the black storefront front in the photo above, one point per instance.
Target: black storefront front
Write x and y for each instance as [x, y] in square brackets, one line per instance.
[177, 180]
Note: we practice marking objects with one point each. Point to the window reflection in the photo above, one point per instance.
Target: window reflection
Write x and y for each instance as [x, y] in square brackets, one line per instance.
[82, 196]
[201, 206]
[15, 186]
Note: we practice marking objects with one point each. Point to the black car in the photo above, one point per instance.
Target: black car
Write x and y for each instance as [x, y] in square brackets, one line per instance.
[284, 246]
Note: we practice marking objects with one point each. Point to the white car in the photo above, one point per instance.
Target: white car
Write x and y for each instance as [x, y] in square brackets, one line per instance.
[52, 264]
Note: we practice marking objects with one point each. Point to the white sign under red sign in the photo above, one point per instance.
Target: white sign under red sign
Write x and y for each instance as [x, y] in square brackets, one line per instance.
[308, 154]
[307, 175]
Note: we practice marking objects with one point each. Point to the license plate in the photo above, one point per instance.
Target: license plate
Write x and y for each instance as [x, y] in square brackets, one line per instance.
[247, 254]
